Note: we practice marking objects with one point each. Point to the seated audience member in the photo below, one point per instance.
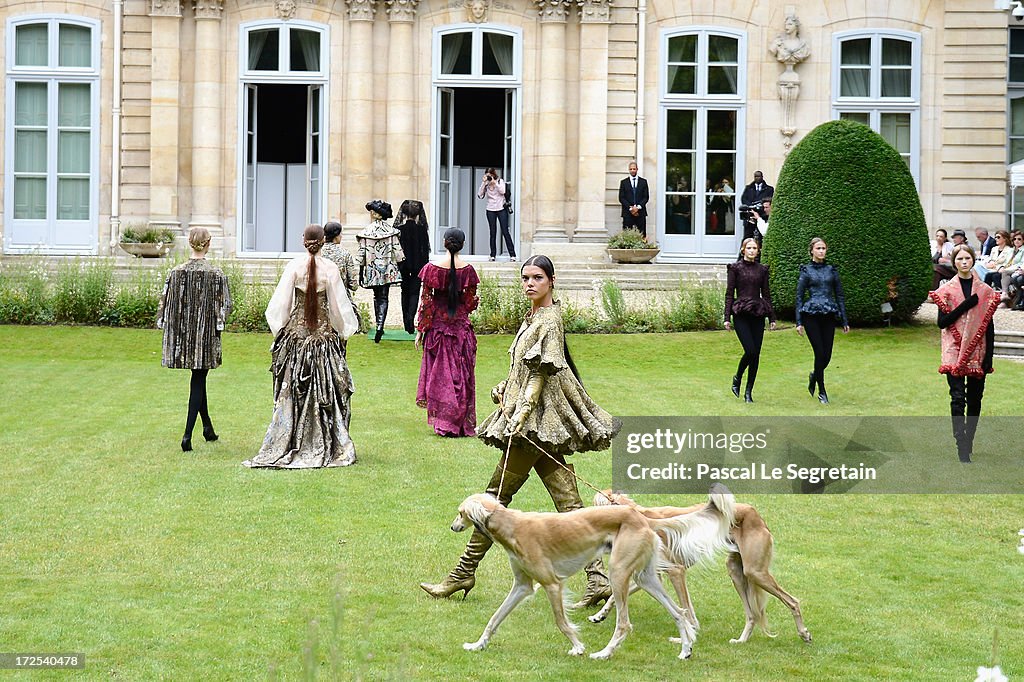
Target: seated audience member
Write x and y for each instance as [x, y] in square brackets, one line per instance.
[1014, 270]
[985, 242]
[941, 263]
[990, 269]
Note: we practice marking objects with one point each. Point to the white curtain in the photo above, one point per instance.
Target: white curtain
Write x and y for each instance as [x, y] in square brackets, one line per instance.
[854, 82]
[309, 41]
[31, 45]
[257, 39]
[451, 47]
[896, 82]
[501, 48]
[74, 43]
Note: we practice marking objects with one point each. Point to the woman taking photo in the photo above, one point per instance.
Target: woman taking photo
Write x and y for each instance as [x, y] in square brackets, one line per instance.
[447, 386]
[543, 416]
[817, 315]
[194, 306]
[748, 301]
[311, 317]
[492, 188]
[966, 306]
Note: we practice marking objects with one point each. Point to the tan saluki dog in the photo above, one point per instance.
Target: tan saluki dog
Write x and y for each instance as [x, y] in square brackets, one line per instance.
[547, 548]
[749, 564]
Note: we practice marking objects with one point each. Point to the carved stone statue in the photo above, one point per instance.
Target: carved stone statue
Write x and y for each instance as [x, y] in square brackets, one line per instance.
[285, 9]
[477, 10]
[789, 49]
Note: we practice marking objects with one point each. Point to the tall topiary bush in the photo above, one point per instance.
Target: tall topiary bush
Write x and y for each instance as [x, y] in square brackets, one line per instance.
[846, 184]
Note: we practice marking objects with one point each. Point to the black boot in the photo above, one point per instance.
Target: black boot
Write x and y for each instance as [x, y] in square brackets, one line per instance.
[810, 384]
[970, 428]
[380, 312]
[963, 450]
[747, 397]
[186, 443]
[736, 385]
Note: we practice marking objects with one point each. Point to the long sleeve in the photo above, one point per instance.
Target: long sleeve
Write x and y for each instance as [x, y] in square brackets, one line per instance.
[801, 285]
[425, 315]
[730, 286]
[339, 305]
[349, 273]
[840, 298]
[766, 294]
[946, 319]
[163, 302]
[483, 189]
[224, 304]
[280, 306]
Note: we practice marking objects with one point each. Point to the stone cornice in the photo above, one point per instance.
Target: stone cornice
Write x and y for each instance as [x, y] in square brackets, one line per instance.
[595, 11]
[165, 8]
[208, 9]
[402, 10]
[361, 10]
[552, 10]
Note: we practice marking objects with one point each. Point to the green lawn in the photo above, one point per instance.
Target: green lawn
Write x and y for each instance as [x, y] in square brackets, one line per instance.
[159, 564]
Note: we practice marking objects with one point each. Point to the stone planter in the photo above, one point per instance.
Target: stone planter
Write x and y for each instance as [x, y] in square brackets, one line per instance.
[147, 250]
[633, 255]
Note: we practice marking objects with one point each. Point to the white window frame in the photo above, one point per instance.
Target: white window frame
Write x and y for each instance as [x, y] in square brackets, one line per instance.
[875, 105]
[700, 101]
[52, 75]
[283, 54]
[476, 74]
[249, 77]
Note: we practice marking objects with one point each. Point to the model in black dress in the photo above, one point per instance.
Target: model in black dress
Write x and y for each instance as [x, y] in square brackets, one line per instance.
[748, 301]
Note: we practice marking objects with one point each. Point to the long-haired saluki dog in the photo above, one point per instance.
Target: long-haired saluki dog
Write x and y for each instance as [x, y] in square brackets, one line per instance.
[547, 548]
[749, 564]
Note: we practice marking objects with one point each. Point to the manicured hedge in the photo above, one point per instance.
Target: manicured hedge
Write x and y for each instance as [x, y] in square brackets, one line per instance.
[846, 184]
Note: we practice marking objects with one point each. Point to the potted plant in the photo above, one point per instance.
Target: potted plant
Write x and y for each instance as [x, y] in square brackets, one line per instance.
[629, 246]
[147, 242]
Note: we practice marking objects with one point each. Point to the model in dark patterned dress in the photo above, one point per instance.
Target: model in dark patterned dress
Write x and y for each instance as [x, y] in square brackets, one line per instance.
[194, 306]
[748, 301]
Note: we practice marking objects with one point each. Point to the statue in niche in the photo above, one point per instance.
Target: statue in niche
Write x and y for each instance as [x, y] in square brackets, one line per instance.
[477, 10]
[789, 49]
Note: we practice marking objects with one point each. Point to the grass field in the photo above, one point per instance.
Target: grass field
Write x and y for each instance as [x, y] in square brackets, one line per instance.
[157, 564]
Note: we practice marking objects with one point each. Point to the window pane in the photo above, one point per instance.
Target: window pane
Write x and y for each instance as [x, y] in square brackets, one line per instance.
[723, 49]
[682, 80]
[445, 168]
[457, 53]
[1017, 41]
[30, 104]
[497, 54]
[304, 50]
[896, 52]
[72, 152]
[679, 197]
[856, 116]
[263, 50]
[442, 208]
[681, 127]
[895, 82]
[31, 45]
[1016, 69]
[721, 167]
[30, 198]
[856, 52]
[854, 82]
[1017, 115]
[722, 80]
[73, 104]
[722, 131]
[74, 45]
[682, 49]
[30, 151]
[896, 131]
[72, 199]
[1016, 151]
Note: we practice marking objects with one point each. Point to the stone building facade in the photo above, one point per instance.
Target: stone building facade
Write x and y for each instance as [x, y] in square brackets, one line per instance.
[255, 117]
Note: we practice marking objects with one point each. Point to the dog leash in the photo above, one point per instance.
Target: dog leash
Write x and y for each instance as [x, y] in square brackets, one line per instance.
[555, 460]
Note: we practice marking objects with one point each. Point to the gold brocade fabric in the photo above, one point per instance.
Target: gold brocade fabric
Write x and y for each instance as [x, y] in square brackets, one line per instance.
[312, 394]
[566, 419]
[194, 306]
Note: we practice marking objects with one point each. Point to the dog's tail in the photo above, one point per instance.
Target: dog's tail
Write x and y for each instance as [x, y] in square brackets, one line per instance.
[692, 538]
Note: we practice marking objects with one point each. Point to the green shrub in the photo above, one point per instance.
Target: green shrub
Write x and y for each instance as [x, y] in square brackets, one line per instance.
[135, 302]
[613, 303]
[82, 291]
[25, 293]
[846, 184]
[629, 239]
[147, 235]
[501, 309]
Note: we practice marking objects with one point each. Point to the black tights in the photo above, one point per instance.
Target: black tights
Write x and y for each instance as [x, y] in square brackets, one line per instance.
[380, 304]
[197, 402]
[965, 395]
[821, 332]
[750, 330]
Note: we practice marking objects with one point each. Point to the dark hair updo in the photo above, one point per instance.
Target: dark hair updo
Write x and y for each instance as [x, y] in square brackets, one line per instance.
[332, 230]
[381, 208]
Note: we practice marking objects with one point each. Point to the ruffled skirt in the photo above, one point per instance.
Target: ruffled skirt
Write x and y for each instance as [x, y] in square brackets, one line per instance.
[447, 385]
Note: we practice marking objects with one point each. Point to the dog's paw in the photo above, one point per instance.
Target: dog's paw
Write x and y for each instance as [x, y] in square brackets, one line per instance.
[601, 655]
[806, 636]
[577, 650]
[475, 646]
[685, 654]
[596, 618]
[737, 640]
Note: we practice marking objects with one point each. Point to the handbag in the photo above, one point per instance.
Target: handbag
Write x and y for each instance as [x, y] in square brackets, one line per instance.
[507, 205]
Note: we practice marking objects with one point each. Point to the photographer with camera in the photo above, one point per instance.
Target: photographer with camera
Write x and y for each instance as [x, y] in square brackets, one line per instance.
[493, 188]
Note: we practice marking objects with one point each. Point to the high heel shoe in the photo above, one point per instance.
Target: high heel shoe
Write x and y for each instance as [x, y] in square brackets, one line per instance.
[823, 398]
[377, 337]
[186, 443]
[810, 384]
[747, 397]
[209, 434]
[449, 587]
[736, 385]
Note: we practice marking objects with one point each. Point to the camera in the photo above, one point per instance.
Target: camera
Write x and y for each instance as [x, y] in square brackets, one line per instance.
[487, 177]
[748, 212]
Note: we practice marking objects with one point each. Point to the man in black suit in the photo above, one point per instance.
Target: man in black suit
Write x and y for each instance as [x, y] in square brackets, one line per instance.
[633, 196]
[985, 241]
[757, 190]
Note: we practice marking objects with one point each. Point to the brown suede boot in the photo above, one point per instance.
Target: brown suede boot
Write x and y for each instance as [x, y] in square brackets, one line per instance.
[463, 576]
[561, 486]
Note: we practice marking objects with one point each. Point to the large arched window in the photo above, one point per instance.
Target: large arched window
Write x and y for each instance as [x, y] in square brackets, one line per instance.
[876, 80]
[476, 53]
[52, 134]
[703, 106]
